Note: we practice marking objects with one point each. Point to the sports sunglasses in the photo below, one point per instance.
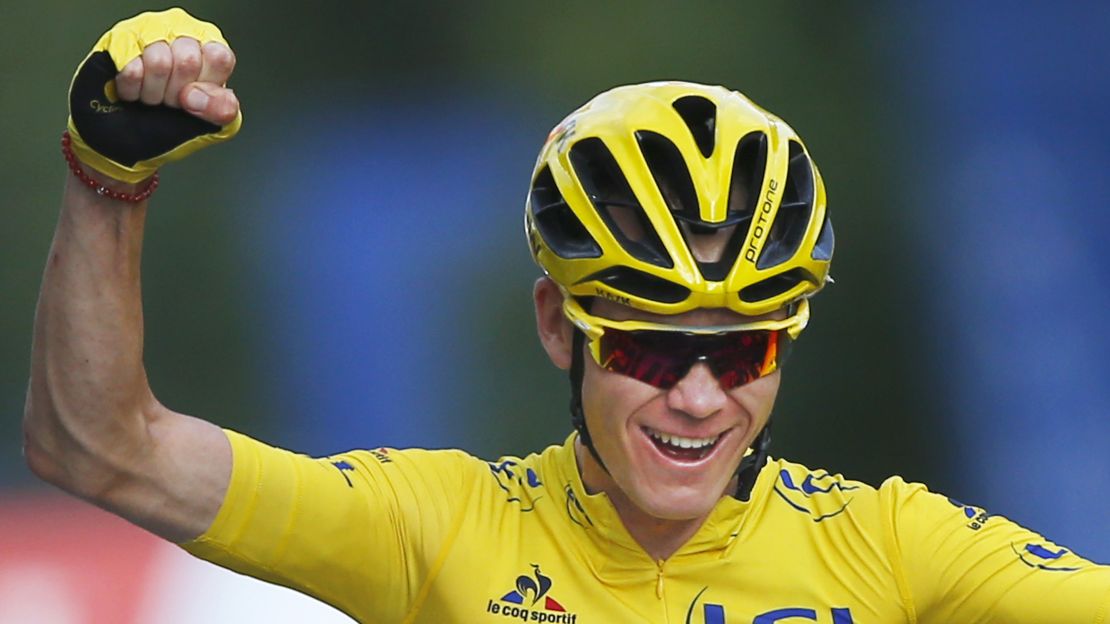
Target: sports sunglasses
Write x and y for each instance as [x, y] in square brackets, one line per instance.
[660, 354]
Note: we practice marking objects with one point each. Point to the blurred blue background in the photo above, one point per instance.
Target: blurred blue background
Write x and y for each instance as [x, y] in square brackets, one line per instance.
[351, 270]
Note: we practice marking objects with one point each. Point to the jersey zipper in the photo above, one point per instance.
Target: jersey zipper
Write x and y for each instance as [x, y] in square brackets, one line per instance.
[659, 580]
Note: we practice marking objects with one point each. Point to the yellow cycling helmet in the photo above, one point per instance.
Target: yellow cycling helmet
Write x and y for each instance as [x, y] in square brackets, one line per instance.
[672, 196]
[631, 190]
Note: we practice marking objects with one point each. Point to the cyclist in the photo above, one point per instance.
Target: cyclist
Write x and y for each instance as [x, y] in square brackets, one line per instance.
[682, 231]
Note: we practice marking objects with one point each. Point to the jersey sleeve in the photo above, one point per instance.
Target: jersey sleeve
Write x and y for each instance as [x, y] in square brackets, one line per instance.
[960, 564]
[361, 530]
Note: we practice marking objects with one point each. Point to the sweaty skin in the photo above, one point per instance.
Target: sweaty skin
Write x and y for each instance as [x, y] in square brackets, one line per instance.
[662, 502]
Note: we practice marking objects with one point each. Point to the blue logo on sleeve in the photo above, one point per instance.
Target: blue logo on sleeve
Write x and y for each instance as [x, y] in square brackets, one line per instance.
[805, 497]
[516, 483]
[1042, 557]
[344, 467]
[976, 516]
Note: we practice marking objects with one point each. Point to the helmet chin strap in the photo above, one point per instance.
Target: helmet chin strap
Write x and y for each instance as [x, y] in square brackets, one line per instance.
[577, 415]
[747, 472]
[750, 466]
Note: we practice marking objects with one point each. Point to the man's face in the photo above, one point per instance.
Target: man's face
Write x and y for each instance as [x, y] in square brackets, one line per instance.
[639, 430]
[630, 421]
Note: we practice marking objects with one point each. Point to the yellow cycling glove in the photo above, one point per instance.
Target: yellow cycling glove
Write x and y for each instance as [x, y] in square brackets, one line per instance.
[129, 141]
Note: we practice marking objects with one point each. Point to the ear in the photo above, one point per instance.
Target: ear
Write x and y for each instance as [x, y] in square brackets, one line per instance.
[556, 333]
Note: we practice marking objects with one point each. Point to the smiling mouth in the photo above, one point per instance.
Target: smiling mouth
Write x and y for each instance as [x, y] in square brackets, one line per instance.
[682, 449]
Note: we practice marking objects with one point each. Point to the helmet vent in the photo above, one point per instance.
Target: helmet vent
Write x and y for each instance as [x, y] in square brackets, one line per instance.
[640, 284]
[826, 241]
[792, 219]
[671, 175]
[558, 225]
[700, 116]
[616, 204]
[774, 286]
[749, 165]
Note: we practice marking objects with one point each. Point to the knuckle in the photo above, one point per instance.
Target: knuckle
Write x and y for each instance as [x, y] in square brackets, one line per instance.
[157, 64]
[132, 72]
[185, 43]
[186, 55]
[188, 63]
[220, 57]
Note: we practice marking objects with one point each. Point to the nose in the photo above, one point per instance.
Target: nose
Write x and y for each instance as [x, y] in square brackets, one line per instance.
[698, 394]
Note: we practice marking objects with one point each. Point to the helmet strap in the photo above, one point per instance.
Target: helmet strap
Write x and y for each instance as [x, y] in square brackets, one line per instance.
[577, 415]
[752, 463]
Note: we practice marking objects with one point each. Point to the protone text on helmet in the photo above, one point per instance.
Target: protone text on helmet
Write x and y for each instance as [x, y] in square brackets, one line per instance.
[765, 210]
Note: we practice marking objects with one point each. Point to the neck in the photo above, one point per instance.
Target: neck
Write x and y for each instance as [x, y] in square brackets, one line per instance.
[659, 537]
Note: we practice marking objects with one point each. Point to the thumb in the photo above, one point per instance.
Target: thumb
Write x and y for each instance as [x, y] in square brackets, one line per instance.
[210, 102]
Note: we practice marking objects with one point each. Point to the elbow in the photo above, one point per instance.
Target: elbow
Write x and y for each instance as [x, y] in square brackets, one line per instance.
[47, 454]
[40, 437]
[83, 447]
[73, 473]
[39, 460]
[83, 466]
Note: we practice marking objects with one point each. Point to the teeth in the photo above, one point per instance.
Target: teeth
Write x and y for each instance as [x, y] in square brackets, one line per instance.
[673, 440]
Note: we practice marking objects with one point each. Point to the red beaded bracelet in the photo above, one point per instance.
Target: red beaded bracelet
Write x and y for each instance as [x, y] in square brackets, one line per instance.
[97, 187]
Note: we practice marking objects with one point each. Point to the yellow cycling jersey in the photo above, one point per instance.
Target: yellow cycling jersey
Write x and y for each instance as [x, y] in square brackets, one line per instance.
[413, 535]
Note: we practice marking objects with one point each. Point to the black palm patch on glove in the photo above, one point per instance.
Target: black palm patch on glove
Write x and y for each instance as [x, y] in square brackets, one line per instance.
[126, 132]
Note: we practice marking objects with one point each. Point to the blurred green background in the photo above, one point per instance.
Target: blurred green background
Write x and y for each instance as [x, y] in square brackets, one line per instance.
[857, 396]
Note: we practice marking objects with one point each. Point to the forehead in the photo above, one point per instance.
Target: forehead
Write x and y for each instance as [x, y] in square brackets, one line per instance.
[700, 317]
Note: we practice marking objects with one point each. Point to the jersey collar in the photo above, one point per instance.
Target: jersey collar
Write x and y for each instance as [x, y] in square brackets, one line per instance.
[595, 515]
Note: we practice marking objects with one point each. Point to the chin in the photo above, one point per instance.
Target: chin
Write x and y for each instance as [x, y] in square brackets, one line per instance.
[679, 503]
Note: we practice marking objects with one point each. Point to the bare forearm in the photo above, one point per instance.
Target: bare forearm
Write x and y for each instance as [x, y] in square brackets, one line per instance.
[88, 400]
[91, 424]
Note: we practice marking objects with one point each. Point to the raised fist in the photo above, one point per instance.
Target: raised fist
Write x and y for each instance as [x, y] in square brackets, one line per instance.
[152, 90]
